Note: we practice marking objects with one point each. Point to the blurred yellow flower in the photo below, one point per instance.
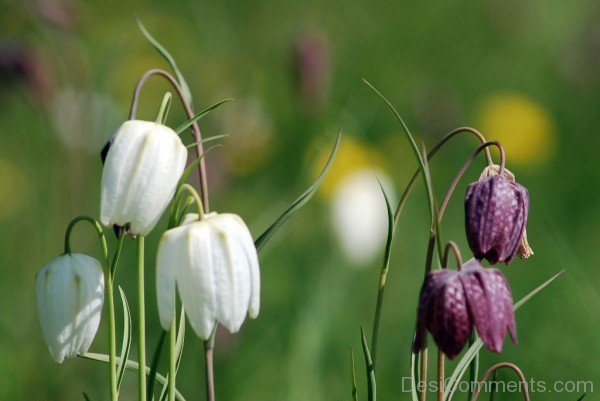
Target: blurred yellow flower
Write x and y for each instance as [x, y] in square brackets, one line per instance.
[521, 125]
[352, 156]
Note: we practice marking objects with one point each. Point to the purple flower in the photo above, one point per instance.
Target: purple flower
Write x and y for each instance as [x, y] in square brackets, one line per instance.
[452, 302]
[495, 218]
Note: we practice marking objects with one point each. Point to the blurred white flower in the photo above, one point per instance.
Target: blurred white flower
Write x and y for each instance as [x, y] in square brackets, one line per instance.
[214, 265]
[81, 117]
[70, 294]
[359, 214]
[140, 175]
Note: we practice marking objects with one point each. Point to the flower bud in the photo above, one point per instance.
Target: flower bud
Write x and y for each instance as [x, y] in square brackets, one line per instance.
[70, 294]
[140, 176]
[496, 210]
[453, 302]
[214, 265]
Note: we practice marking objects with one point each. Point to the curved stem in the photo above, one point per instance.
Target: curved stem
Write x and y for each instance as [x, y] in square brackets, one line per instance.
[451, 245]
[464, 168]
[192, 192]
[190, 113]
[112, 362]
[494, 368]
[432, 239]
[141, 319]
[96, 227]
[430, 155]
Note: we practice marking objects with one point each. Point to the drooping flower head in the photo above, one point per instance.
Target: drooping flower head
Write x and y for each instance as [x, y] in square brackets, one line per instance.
[496, 209]
[453, 302]
[214, 266]
[140, 176]
[70, 294]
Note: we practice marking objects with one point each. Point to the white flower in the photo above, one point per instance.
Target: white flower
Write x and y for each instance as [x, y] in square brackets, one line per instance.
[70, 294]
[214, 265]
[360, 216]
[140, 175]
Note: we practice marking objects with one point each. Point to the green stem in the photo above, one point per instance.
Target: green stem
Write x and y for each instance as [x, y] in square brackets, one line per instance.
[141, 319]
[131, 366]
[112, 336]
[173, 356]
[209, 370]
[190, 113]
[112, 364]
[163, 111]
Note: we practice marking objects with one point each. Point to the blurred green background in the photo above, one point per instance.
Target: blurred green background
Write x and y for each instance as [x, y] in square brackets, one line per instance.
[526, 73]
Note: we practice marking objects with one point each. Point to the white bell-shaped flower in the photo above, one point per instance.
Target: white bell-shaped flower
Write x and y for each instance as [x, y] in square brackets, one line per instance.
[214, 265]
[140, 175]
[70, 294]
[359, 214]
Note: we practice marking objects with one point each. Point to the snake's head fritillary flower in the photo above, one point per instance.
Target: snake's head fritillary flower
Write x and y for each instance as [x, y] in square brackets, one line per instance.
[496, 210]
[214, 266]
[453, 302]
[140, 176]
[70, 294]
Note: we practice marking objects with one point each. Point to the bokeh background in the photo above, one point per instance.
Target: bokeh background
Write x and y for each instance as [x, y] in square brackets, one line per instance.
[526, 73]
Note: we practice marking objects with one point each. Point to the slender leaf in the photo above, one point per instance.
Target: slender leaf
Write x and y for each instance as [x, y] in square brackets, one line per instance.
[383, 275]
[413, 378]
[178, 348]
[188, 170]
[421, 160]
[130, 365]
[300, 201]
[463, 364]
[126, 343]
[173, 215]
[581, 398]
[210, 138]
[199, 115]
[167, 56]
[371, 383]
[87, 398]
[353, 376]
[154, 365]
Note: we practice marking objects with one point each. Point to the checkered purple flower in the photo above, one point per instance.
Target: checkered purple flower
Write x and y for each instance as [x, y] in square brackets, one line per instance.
[495, 217]
[452, 302]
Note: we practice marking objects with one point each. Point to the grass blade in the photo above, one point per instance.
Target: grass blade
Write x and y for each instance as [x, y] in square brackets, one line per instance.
[371, 383]
[413, 378]
[87, 398]
[210, 138]
[126, 343]
[300, 201]
[132, 366]
[179, 349]
[383, 274]
[167, 56]
[465, 361]
[154, 365]
[353, 376]
[199, 115]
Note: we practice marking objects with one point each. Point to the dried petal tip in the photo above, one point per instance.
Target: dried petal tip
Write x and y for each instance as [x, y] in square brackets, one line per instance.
[495, 218]
[453, 302]
[525, 250]
[493, 170]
